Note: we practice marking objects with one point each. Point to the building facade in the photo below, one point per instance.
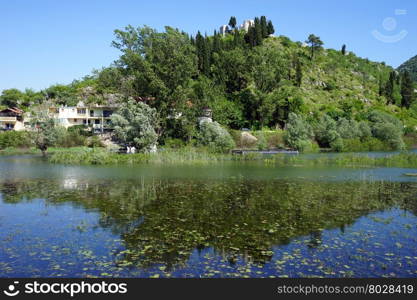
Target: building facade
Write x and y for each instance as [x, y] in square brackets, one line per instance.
[94, 116]
[11, 119]
[246, 24]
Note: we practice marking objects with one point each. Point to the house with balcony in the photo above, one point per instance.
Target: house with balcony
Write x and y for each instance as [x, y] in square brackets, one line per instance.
[11, 119]
[94, 116]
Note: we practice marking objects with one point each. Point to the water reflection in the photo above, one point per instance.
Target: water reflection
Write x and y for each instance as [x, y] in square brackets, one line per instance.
[189, 227]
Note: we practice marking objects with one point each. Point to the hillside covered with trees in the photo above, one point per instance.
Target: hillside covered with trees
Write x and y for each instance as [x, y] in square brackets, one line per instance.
[249, 79]
[411, 67]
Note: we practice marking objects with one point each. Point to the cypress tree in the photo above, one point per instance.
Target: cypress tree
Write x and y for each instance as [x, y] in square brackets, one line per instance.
[216, 43]
[270, 28]
[237, 41]
[389, 87]
[264, 27]
[232, 22]
[344, 49]
[250, 37]
[206, 55]
[407, 89]
[258, 32]
[298, 72]
[199, 44]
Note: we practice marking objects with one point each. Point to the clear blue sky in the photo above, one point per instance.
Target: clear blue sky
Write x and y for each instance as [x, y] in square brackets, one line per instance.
[44, 42]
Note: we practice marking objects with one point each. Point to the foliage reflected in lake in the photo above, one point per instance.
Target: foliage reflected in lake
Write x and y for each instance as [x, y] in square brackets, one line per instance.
[207, 228]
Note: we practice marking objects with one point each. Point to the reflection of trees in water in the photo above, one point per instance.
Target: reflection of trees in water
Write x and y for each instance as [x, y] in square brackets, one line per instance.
[164, 221]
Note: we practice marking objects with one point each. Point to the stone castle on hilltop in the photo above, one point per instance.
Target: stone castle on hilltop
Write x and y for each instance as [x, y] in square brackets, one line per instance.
[245, 26]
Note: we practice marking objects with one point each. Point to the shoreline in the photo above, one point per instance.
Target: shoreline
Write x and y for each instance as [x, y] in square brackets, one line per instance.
[201, 156]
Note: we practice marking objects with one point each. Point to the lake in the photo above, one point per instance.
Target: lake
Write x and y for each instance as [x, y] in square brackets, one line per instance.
[234, 219]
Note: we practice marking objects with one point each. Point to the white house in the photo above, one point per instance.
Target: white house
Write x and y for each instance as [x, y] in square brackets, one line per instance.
[95, 116]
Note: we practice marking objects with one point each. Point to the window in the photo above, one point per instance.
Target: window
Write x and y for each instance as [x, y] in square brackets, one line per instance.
[91, 113]
[97, 121]
[107, 113]
[81, 111]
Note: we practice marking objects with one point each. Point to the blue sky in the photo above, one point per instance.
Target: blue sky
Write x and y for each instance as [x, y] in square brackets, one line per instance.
[44, 42]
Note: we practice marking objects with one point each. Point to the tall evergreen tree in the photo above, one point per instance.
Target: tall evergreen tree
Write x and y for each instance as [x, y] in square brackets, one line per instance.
[389, 87]
[258, 32]
[232, 22]
[344, 50]
[250, 36]
[200, 48]
[407, 89]
[264, 27]
[237, 39]
[207, 53]
[298, 72]
[381, 86]
[216, 43]
[270, 28]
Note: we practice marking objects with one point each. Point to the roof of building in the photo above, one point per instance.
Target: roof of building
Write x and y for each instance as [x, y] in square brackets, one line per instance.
[14, 110]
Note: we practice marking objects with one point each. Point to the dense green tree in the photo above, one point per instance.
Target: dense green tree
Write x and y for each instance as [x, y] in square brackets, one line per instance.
[389, 87]
[207, 52]
[326, 133]
[11, 97]
[232, 22]
[298, 133]
[298, 72]
[135, 124]
[215, 137]
[387, 128]
[217, 43]
[230, 69]
[270, 28]
[258, 32]
[156, 63]
[238, 39]
[199, 44]
[264, 27]
[250, 37]
[45, 131]
[315, 44]
[407, 89]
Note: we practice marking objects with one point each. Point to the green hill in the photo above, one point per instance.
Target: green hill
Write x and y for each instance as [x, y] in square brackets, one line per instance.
[411, 66]
[249, 79]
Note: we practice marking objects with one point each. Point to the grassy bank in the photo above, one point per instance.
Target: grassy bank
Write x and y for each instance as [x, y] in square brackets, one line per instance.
[33, 150]
[98, 156]
[401, 160]
[191, 155]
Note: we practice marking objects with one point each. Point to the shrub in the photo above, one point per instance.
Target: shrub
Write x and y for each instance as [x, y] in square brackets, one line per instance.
[348, 129]
[14, 139]
[69, 137]
[337, 145]
[354, 145]
[298, 133]
[174, 143]
[326, 133]
[94, 142]
[262, 143]
[215, 137]
[389, 133]
[274, 139]
[364, 130]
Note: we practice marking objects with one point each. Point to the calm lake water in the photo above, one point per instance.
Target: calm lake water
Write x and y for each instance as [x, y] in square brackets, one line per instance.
[224, 220]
